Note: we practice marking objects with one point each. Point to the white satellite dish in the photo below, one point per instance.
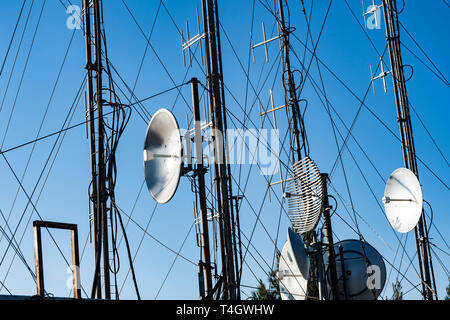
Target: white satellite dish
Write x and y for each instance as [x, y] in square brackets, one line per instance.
[293, 285]
[162, 156]
[403, 200]
[297, 249]
[365, 271]
[293, 269]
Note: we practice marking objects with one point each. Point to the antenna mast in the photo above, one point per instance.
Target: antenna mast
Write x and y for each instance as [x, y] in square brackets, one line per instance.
[293, 101]
[407, 140]
[221, 169]
[99, 195]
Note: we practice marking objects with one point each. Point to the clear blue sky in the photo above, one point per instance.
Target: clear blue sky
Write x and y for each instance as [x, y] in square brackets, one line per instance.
[343, 48]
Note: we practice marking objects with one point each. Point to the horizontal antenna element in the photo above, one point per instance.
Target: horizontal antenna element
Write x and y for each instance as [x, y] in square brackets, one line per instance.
[191, 41]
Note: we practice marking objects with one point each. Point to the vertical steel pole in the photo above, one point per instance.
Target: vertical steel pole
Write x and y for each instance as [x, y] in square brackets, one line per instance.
[216, 170]
[406, 135]
[90, 67]
[99, 195]
[291, 83]
[101, 187]
[221, 180]
[233, 213]
[200, 172]
[329, 239]
[343, 272]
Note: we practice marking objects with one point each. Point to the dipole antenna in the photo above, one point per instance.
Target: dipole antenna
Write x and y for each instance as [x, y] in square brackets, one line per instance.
[407, 140]
[98, 193]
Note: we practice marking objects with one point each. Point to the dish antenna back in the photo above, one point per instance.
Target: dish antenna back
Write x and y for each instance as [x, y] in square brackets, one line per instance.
[162, 156]
[293, 268]
[360, 269]
[403, 200]
[305, 195]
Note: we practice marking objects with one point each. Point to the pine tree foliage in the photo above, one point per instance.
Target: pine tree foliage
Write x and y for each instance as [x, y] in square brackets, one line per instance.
[271, 293]
[397, 288]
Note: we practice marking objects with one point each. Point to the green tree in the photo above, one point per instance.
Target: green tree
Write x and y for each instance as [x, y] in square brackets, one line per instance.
[271, 293]
[397, 288]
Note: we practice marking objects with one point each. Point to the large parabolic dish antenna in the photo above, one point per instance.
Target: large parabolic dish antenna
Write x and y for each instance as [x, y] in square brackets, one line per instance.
[360, 269]
[162, 156]
[403, 200]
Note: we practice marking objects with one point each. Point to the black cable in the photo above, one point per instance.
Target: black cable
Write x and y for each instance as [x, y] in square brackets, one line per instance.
[376, 117]
[50, 99]
[67, 120]
[16, 56]
[129, 254]
[173, 262]
[23, 72]
[160, 93]
[48, 104]
[424, 53]
[429, 134]
[12, 37]
[154, 238]
[365, 179]
[16, 246]
[50, 135]
[153, 49]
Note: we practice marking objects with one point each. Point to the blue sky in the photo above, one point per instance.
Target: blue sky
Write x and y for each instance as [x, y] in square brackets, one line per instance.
[343, 48]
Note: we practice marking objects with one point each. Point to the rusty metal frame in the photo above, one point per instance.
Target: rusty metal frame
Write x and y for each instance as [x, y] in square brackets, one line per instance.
[37, 225]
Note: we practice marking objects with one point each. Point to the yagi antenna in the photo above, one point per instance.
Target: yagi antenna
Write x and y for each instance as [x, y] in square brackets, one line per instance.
[186, 45]
[264, 113]
[403, 200]
[383, 74]
[263, 43]
[162, 156]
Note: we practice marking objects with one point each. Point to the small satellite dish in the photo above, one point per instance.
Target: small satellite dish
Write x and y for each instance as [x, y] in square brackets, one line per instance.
[304, 195]
[293, 269]
[162, 156]
[361, 266]
[403, 200]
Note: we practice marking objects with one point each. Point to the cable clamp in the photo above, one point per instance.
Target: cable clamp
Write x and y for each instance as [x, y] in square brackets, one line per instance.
[90, 67]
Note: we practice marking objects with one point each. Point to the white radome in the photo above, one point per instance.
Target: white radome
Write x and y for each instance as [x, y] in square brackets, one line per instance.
[403, 200]
[293, 268]
[162, 156]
